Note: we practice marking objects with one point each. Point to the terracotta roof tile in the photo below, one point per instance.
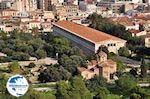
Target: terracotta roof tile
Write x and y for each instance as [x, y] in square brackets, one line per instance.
[109, 61]
[134, 31]
[81, 69]
[142, 17]
[84, 32]
[93, 62]
[122, 20]
[4, 17]
[148, 35]
[34, 21]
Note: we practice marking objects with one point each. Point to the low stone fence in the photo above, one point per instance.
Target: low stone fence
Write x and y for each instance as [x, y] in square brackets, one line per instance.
[46, 61]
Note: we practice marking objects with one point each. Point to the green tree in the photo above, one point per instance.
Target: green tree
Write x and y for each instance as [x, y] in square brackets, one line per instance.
[7, 51]
[40, 53]
[101, 93]
[71, 63]
[3, 81]
[120, 66]
[126, 83]
[142, 51]
[63, 90]
[49, 50]
[36, 43]
[124, 51]
[47, 37]
[79, 88]
[135, 96]
[75, 51]
[3, 45]
[5, 59]
[3, 35]
[133, 72]
[20, 56]
[75, 89]
[97, 86]
[143, 68]
[61, 45]
[54, 73]
[96, 82]
[35, 31]
[140, 92]
[14, 67]
[112, 96]
[31, 65]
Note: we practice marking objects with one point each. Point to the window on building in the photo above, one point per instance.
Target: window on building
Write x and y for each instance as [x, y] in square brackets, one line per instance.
[111, 76]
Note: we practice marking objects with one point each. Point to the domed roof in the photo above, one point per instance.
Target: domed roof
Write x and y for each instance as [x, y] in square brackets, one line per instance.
[102, 53]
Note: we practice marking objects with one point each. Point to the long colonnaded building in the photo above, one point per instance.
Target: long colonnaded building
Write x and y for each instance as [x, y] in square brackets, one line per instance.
[88, 39]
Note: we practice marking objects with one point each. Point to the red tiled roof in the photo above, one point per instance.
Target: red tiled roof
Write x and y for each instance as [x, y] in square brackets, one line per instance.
[148, 35]
[134, 31]
[142, 17]
[84, 32]
[122, 20]
[4, 17]
[109, 61]
[35, 21]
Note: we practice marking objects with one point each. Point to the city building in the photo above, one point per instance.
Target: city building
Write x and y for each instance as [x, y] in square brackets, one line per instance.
[6, 4]
[24, 27]
[137, 33]
[60, 11]
[71, 10]
[47, 5]
[75, 2]
[130, 6]
[147, 40]
[115, 7]
[144, 20]
[102, 66]
[86, 38]
[46, 26]
[9, 12]
[128, 1]
[65, 11]
[34, 24]
[47, 16]
[88, 7]
[129, 23]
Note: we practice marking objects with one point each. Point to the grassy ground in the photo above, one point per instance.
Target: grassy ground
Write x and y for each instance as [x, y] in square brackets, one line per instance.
[3, 69]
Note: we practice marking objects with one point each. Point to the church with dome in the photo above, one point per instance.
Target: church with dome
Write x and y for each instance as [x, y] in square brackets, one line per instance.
[101, 66]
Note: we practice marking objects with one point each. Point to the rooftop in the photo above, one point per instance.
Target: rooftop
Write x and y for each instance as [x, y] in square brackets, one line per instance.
[9, 10]
[142, 17]
[86, 33]
[134, 31]
[148, 35]
[122, 20]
